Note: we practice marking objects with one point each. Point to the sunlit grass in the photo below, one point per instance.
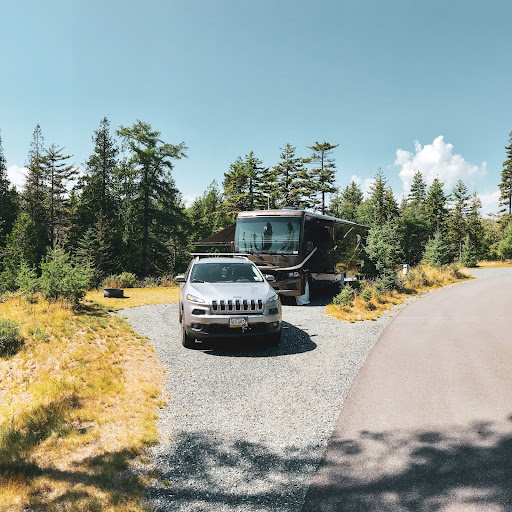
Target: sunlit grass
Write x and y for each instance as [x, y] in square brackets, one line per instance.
[77, 403]
[492, 264]
[136, 297]
[421, 279]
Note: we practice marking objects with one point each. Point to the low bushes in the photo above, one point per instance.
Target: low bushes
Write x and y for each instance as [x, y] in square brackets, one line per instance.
[372, 297]
[124, 280]
[9, 337]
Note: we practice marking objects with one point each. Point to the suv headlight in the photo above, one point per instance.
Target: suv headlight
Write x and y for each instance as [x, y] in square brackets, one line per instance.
[193, 298]
[272, 297]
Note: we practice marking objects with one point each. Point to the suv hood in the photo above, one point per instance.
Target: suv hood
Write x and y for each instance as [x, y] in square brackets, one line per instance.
[232, 291]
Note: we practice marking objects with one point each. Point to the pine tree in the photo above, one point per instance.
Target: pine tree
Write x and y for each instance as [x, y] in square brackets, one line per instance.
[437, 252]
[256, 184]
[474, 226]
[457, 220]
[418, 194]
[505, 245]
[506, 183]
[382, 201]
[156, 205]
[436, 210]
[345, 205]
[57, 173]
[383, 251]
[291, 177]
[323, 176]
[21, 247]
[98, 183]
[205, 214]
[35, 193]
[8, 200]
[243, 186]
[468, 256]
[97, 211]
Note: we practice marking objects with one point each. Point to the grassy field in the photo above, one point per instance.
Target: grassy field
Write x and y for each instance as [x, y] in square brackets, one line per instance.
[136, 297]
[78, 403]
[419, 280]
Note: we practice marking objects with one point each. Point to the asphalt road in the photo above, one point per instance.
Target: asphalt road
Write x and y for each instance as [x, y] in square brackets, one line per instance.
[427, 424]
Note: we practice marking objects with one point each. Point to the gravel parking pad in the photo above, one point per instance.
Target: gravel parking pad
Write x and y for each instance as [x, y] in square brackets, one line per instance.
[247, 425]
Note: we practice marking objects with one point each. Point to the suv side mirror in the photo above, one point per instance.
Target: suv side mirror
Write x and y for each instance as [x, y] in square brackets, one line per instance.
[180, 278]
[270, 278]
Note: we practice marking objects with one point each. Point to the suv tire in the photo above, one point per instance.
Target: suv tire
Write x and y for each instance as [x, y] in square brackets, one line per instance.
[186, 340]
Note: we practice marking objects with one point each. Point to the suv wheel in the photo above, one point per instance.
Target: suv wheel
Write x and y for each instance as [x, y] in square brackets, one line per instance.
[186, 340]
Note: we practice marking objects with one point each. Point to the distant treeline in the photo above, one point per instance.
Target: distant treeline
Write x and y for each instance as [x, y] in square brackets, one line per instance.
[123, 212]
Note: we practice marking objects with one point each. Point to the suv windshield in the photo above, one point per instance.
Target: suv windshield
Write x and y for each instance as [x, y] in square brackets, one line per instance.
[271, 235]
[225, 273]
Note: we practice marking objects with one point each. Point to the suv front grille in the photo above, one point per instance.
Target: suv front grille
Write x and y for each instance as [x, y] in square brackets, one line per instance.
[237, 306]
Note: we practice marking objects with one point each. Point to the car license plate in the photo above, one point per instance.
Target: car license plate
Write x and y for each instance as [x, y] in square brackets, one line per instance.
[238, 321]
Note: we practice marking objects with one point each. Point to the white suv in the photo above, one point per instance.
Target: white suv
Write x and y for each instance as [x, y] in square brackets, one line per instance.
[227, 297]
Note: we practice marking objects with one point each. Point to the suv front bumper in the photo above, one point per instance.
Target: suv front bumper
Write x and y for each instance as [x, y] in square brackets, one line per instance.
[209, 325]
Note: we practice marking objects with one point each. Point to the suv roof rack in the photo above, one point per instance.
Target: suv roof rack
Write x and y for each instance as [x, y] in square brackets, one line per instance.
[219, 254]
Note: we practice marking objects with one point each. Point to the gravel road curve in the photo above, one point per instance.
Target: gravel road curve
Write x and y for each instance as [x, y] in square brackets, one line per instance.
[246, 426]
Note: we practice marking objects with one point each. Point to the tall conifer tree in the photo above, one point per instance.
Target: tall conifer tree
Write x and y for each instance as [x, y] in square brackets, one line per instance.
[8, 199]
[323, 174]
[57, 173]
[436, 210]
[291, 179]
[457, 220]
[157, 200]
[346, 205]
[506, 183]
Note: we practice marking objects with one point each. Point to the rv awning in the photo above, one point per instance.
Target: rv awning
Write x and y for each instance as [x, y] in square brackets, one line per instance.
[221, 238]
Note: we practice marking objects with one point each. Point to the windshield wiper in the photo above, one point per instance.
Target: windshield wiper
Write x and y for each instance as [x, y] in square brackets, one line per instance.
[196, 281]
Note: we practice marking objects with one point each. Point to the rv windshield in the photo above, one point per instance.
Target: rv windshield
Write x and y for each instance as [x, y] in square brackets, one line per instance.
[269, 235]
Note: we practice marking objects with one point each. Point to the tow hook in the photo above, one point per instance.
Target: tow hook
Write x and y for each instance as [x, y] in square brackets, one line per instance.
[245, 328]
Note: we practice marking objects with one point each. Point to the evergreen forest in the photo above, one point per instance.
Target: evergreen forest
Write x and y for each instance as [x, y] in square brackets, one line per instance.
[122, 212]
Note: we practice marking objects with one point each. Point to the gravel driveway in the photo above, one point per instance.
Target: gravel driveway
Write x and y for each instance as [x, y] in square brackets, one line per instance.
[246, 426]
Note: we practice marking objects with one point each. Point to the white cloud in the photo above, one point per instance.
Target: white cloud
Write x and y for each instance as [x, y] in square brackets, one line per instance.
[490, 202]
[17, 175]
[188, 199]
[437, 160]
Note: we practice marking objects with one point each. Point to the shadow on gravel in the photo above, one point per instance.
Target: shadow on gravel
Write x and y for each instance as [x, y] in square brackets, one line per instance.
[293, 341]
[203, 473]
[461, 468]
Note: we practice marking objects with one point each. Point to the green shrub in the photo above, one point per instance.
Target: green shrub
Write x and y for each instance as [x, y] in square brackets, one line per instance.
[124, 280]
[468, 257]
[62, 279]
[366, 293]
[345, 297]
[505, 245]
[9, 337]
[127, 280]
[437, 252]
[400, 283]
[26, 281]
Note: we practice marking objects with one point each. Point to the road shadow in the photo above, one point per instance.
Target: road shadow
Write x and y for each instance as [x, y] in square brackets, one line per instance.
[460, 468]
[204, 473]
[293, 341]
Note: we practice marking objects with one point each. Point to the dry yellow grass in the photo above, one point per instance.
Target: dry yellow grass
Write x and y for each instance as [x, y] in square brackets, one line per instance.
[136, 297]
[77, 403]
[492, 264]
[421, 279]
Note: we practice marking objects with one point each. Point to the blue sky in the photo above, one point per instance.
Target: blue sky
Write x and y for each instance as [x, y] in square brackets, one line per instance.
[398, 84]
